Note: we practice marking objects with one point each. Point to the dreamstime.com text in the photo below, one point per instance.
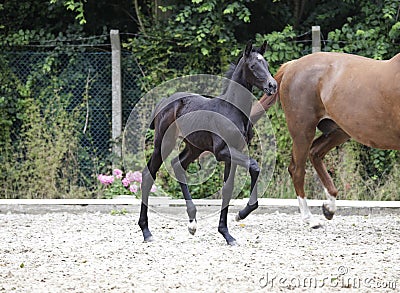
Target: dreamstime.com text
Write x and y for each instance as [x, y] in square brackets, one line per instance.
[341, 279]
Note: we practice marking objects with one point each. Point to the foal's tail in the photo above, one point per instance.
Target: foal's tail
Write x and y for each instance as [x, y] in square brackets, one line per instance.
[157, 109]
[266, 102]
[167, 108]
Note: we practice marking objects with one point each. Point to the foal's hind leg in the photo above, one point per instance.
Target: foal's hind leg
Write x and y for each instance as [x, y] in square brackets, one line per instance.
[148, 177]
[180, 165]
[162, 148]
[320, 147]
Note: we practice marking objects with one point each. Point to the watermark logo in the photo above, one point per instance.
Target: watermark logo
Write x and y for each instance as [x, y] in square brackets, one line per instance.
[341, 279]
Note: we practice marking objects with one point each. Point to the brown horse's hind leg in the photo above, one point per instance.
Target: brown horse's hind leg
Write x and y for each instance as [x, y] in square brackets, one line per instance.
[301, 146]
[320, 147]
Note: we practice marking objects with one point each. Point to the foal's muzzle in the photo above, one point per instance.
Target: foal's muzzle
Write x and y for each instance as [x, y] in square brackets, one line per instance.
[271, 88]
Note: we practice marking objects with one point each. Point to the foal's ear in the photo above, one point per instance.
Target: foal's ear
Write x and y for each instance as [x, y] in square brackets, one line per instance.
[263, 48]
[249, 48]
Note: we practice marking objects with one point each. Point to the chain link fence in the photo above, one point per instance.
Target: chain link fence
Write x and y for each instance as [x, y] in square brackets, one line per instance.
[85, 81]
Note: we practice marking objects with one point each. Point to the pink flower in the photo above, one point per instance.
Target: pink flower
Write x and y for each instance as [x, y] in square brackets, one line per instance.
[134, 177]
[106, 180]
[125, 182]
[153, 188]
[137, 176]
[129, 176]
[133, 188]
[117, 173]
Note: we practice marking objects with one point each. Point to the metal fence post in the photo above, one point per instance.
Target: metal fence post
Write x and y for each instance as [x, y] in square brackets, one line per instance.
[116, 91]
[316, 38]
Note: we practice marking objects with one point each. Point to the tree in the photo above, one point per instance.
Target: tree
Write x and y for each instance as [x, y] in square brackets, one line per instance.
[192, 36]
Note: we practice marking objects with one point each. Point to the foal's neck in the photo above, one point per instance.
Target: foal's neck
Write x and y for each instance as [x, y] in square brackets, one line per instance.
[239, 91]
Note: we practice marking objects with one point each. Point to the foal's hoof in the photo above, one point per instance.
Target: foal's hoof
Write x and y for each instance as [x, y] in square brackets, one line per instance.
[149, 239]
[246, 211]
[238, 218]
[327, 213]
[232, 243]
[192, 227]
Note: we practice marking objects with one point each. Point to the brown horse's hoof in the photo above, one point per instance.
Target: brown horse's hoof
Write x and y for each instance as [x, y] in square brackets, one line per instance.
[192, 227]
[327, 213]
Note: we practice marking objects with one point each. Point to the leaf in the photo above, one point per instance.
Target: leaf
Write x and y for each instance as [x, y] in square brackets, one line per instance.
[204, 51]
[228, 10]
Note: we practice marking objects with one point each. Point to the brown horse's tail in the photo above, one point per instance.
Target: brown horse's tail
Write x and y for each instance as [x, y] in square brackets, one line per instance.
[266, 102]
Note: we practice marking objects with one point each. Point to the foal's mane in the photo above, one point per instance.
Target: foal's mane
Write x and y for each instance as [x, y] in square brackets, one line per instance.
[231, 70]
[228, 76]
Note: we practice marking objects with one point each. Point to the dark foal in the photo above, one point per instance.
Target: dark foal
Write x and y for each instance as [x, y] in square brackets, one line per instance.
[219, 125]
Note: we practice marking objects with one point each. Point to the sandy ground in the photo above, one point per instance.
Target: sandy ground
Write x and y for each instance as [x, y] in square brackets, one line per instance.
[72, 250]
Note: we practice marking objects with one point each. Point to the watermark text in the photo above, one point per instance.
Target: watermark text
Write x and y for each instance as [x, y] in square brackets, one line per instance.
[339, 279]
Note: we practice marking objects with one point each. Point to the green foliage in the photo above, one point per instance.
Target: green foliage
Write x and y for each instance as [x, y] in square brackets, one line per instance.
[26, 22]
[282, 47]
[390, 184]
[75, 6]
[377, 163]
[374, 33]
[9, 107]
[40, 131]
[191, 37]
[42, 162]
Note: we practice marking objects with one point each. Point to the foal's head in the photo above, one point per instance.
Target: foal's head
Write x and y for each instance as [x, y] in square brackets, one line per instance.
[256, 69]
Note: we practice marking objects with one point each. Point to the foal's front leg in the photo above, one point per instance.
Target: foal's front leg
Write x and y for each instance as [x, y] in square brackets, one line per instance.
[234, 157]
[227, 190]
[251, 165]
[254, 171]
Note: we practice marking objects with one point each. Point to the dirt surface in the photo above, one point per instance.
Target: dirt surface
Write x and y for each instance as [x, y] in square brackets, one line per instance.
[100, 249]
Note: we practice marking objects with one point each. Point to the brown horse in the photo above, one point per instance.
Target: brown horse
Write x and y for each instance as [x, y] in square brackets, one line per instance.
[345, 96]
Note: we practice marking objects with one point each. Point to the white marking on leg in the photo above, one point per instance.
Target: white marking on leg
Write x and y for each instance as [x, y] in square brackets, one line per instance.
[304, 210]
[192, 227]
[331, 203]
[306, 214]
